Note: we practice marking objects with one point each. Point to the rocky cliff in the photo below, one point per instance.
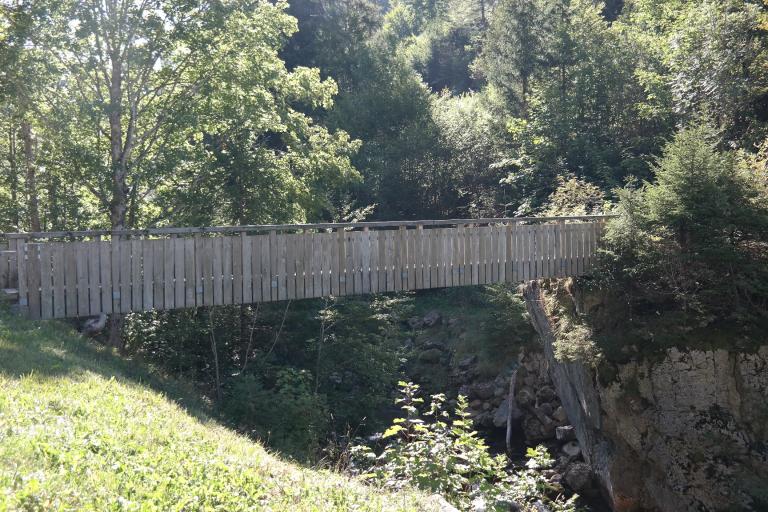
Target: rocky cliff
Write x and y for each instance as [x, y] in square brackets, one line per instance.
[683, 430]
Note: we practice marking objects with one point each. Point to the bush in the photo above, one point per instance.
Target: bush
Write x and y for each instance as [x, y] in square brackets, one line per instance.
[697, 235]
[288, 416]
[440, 454]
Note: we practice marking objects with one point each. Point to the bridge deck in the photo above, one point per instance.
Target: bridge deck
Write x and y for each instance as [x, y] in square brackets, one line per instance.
[80, 274]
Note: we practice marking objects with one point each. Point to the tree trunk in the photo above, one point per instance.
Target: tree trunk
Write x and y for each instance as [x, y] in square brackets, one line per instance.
[14, 176]
[119, 165]
[33, 209]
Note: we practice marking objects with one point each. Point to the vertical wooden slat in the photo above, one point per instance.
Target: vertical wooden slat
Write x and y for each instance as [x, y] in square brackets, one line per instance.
[339, 257]
[105, 255]
[136, 277]
[21, 274]
[217, 244]
[114, 251]
[374, 251]
[349, 262]
[59, 290]
[545, 250]
[190, 273]
[46, 282]
[248, 290]
[267, 272]
[169, 288]
[158, 268]
[83, 303]
[381, 240]
[199, 273]
[70, 279]
[282, 267]
[524, 239]
[483, 256]
[389, 257]
[147, 265]
[206, 269]
[366, 260]
[326, 245]
[290, 240]
[260, 269]
[304, 283]
[179, 298]
[94, 277]
[515, 254]
[418, 257]
[123, 275]
[237, 269]
[316, 259]
[226, 269]
[32, 273]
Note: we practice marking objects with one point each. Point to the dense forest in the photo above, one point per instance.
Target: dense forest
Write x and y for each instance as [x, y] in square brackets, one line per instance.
[133, 114]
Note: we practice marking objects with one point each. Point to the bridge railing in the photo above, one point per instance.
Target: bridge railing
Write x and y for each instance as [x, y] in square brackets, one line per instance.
[84, 273]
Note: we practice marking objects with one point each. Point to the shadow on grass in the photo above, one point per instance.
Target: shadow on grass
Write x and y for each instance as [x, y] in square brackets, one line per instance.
[53, 349]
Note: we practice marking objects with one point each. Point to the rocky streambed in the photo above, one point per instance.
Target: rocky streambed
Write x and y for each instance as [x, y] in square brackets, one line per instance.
[537, 414]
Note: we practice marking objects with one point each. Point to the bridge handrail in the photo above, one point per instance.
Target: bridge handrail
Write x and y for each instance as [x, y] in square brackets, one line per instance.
[284, 227]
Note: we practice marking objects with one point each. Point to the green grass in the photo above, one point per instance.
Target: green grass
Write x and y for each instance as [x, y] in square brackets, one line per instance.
[81, 429]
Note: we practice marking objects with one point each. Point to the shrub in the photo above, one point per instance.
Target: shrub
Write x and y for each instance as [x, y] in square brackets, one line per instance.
[289, 416]
[698, 234]
[440, 454]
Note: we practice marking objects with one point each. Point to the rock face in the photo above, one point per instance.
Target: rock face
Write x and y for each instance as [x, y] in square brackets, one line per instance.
[686, 431]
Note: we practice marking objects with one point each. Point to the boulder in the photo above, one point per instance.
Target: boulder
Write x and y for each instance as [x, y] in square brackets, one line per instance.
[467, 362]
[482, 390]
[578, 476]
[560, 415]
[546, 394]
[439, 503]
[525, 397]
[500, 417]
[415, 322]
[565, 434]
[545, 409]
[431, 318]
[478, 505]
[431, 356]
[571, 448]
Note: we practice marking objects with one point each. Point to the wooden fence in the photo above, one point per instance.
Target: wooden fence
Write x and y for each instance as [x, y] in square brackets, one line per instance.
[81, 274]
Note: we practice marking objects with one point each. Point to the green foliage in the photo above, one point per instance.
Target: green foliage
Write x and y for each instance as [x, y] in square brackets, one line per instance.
[698, 233]
[575, 197]
[290, 375]
[440, 454]
[287, 416]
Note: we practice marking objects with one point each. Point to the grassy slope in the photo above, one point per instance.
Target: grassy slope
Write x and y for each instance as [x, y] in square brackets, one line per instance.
[82, 429]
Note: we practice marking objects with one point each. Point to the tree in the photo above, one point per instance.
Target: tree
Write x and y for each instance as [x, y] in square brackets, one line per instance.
[696, 234]
[514, 51]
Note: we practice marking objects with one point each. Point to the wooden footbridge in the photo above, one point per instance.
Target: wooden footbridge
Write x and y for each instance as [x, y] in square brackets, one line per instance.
[87, 273]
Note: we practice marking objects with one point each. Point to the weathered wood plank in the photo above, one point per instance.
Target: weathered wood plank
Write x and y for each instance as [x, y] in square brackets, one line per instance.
[105, 255]
[206, 270]
[158, 267]
[179, 296]
[32, 274]
[94, 277]
[237, 269]
[190, 273]
[199, 275]
[59, 285]
[46, 281]
[226, 270]
[218, 269]
[248, 292]
[169, 292]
